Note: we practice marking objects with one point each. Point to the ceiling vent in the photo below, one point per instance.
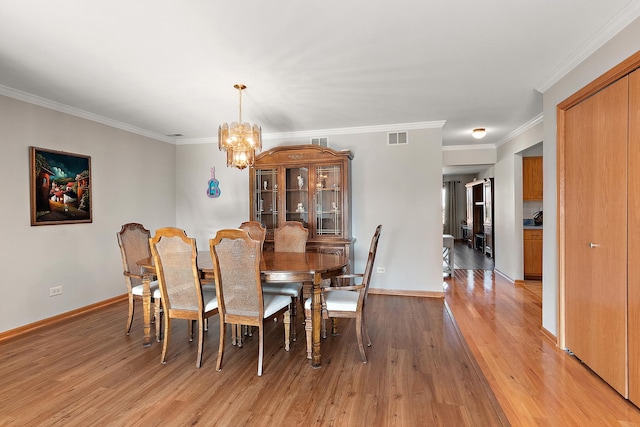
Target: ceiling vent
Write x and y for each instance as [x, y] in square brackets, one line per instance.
[322, 142]
[398, 138]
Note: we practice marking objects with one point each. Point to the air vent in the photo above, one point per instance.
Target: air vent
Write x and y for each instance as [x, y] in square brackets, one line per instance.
[322, 142]
[398, 138]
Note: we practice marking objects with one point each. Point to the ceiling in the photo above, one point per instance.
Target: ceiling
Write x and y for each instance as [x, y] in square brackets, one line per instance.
[166, 67]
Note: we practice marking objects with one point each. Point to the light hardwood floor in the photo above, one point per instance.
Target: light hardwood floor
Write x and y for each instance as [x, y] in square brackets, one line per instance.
[86, 371]
[536, 383]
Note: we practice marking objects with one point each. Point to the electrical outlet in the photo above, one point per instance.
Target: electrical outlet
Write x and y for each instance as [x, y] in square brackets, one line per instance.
[380, 270]
[56, 290]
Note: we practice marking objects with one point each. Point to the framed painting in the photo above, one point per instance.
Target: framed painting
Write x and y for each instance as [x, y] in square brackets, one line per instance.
[60, 187]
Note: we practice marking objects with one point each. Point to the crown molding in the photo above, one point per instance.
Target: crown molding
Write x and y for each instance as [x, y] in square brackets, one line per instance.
[62, 108]
[522, 129]
[468, 147]
[606, 33]
[438, 124]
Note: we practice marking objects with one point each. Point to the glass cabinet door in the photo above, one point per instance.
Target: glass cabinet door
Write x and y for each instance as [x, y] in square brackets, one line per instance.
[328, 199]
[266, 203]
[297, 195]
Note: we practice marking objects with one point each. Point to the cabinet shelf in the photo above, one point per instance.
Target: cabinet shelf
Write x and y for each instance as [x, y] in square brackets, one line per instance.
[324, 175]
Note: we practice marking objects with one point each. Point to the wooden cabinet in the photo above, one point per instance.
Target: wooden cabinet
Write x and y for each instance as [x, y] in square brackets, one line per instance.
[488, 217]
[533, 254]
[532, 178]
[305, 183]
[480, 215]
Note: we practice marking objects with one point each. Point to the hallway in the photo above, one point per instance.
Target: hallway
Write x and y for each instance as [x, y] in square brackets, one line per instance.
[534, 381]
[467, 258]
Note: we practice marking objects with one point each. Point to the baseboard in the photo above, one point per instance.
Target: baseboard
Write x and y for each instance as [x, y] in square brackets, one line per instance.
[519, 282]
[548, 335]
[406, 293]
[12, 333]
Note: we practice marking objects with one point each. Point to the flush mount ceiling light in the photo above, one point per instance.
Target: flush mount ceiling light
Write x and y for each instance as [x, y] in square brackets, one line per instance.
[240, 140]
[479, 133]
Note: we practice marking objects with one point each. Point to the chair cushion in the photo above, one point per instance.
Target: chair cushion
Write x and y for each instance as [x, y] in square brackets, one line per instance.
[289, 289]
[153, 287]
[338, 301]
[210, 300]
[209, 287]
[274, 302]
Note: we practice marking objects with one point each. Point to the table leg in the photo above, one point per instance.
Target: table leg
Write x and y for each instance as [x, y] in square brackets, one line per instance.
[146, 309]
[316, 319]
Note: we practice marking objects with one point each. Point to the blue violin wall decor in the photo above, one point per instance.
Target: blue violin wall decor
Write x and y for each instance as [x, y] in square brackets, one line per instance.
[213, 189]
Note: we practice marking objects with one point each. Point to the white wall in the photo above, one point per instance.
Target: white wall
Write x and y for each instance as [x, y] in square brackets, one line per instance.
[132, 180]
[508, 203]
[608, 56]
[396, 186]
[467, 155]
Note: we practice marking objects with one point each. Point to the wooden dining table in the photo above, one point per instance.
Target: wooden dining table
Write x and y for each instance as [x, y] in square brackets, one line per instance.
[275, 267]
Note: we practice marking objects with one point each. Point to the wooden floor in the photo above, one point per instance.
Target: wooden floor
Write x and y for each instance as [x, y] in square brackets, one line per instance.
[421, 371]
[467, 258]
[86, 371]
[536, 383]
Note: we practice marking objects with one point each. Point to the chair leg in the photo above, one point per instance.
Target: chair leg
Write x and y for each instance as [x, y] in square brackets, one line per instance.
[234, 336]
[158, 319]
[307, 329]
[287, 328]
[240, 333]
[167, 334]
[200, 342]
[366, 331]
[221, 345]
[260, 347]
[190, 330]
[294, 315]
[359, 336]
[130, 318]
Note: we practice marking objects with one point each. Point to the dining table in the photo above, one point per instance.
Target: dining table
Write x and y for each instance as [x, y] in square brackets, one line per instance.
[275, 267]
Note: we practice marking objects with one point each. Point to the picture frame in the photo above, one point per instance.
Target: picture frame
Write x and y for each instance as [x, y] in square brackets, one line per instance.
[60, 187]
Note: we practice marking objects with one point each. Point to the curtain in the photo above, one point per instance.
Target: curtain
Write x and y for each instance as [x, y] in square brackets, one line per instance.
[450, 214]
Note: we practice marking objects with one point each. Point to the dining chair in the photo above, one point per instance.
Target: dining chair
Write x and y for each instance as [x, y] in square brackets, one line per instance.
[133, 240]
[256, 232]
[236, 266]
[347, 301]
[290, 237]
[174, 255]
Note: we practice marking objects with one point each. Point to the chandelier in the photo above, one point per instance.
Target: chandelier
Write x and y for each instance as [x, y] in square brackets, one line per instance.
[240, 140]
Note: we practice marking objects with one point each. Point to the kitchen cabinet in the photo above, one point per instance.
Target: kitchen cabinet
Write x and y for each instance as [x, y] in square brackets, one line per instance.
[532, 178]
[305, 183]
[533, 254]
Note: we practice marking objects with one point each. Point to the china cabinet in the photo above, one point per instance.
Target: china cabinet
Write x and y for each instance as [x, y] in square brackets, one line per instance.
[480, 215]
[306, 183]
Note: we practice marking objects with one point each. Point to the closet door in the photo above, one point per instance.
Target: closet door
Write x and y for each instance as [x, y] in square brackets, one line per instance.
[634, 237]
[596, 232]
